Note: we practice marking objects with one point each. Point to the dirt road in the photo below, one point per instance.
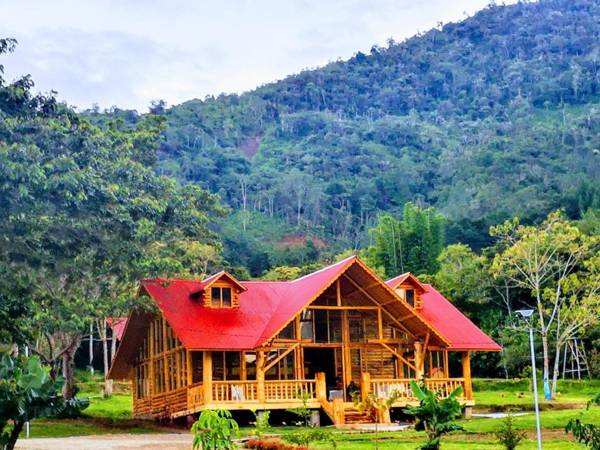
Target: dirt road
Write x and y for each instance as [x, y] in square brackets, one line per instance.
[169, 441]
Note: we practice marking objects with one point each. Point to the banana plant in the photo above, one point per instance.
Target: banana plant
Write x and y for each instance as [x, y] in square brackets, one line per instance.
[435, 416]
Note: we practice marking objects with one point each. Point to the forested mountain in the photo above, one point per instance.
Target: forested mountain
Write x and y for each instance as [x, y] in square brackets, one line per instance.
[495, 116]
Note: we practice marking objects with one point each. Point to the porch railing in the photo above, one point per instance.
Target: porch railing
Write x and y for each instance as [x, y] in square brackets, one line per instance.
[285, 390]
[234, 391]
[384, 388]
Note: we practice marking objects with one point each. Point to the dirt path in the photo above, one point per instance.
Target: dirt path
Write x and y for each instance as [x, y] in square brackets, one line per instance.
[169, 441]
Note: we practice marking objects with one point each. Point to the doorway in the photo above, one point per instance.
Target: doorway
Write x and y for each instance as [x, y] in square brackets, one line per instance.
[323, 359]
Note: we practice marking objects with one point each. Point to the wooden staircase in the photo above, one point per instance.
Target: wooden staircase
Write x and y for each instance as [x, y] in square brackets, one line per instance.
[354, 416]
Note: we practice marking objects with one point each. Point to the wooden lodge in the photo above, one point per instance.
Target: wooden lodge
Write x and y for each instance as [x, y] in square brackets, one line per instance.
[323, 338]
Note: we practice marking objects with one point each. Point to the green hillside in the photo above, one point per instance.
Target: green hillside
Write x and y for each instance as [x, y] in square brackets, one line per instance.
[495, 116]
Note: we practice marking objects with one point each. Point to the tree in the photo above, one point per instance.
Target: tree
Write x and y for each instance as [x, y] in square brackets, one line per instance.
[408, 245]
[434, 416]
[550, 261]
[83, 216]
[463, 277]
[27, 391]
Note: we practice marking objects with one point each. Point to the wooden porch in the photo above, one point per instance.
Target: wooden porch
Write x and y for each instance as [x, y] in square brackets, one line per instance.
[285, 394]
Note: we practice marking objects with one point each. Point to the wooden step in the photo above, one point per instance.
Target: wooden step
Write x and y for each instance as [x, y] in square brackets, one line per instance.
[352, 416]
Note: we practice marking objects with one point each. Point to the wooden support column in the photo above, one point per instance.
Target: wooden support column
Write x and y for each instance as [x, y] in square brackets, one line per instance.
[207, 376]
[260, 376]
[419, 361]
[166, 372]
[189, 367]
[346, 358]
[379, 324]
[320, 387]
[151, 388]
[365, 385]
[466, 369]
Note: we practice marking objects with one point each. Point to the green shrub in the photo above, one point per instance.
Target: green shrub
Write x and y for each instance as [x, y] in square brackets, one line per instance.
[26, 391]
[434, 416]
[508, 436]
[214, 430]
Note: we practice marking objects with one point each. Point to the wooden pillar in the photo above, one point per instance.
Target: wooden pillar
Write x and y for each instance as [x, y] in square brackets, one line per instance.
[346, 358]
[466, 369]
[207, 376]
[365, 385]
[260, 376]
[166, 371]
[189, 367]
[338, 411]
[419, 360]
[151, 387]
[320, 387]
[379, 324]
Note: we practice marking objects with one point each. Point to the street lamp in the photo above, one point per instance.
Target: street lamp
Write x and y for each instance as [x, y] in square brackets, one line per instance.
[526, 314]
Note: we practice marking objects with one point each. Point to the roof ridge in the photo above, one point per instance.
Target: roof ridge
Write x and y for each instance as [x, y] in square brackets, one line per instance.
[322, 269]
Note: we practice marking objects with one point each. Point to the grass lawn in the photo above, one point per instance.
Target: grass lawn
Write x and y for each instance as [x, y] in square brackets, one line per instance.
[113, 415]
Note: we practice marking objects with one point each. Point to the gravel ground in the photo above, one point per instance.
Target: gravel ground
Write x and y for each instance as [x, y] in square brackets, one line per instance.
[169, 441]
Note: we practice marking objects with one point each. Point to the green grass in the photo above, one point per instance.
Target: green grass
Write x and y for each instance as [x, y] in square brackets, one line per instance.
[507, 394]
[113, 415]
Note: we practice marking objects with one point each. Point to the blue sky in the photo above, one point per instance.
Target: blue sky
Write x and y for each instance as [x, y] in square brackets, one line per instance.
[129, 52]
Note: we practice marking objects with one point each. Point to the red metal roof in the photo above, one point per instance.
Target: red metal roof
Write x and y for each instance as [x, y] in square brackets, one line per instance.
[265, 308]
[448, 320]
[117, 324]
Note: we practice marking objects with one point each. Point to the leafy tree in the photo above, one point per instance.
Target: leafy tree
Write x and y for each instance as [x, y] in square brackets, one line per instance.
[551, 261]
[408, 245]
[434, 416]
[463, 277]
[214, 430]
[83, 216]
[27, 391]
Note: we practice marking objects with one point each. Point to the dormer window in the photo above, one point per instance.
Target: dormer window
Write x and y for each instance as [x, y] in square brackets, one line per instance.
[220, 297]
[410, 297]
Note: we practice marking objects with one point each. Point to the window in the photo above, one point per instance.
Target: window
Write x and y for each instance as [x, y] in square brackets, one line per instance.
[306, 325]
[220, 297]
[226, 366]
[410, 297]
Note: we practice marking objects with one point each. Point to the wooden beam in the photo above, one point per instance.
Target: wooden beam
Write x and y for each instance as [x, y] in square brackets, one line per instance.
[207, 376]
[370, 297]
[398, 355]
[338, 292]
[189, 366]
[466, 368]
[342, 308]
[260, 376]
[280, 357]
[379, 323]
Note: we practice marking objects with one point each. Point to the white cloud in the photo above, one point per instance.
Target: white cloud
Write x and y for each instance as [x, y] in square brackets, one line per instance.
[129, 52]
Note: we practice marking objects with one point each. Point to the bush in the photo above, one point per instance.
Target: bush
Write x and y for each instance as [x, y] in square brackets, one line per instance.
[26, 391]
[214, 430]
[508, 436]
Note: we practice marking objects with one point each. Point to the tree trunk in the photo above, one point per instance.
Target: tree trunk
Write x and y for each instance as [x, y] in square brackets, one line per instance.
[546, 356]
[68, 370]
[103, 332]
[14, 434]
[556, 370]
